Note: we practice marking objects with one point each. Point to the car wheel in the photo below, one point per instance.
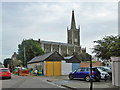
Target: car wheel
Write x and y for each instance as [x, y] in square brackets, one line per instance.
[71, 77]
[9, 77]
[87, 78]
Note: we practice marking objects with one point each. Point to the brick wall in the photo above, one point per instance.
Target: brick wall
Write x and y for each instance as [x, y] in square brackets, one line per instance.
[87, 64]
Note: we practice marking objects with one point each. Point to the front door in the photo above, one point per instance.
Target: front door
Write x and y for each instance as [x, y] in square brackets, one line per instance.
[77, 73]
[82, 73]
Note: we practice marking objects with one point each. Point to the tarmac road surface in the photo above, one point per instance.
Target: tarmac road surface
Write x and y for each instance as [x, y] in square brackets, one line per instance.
[27, 82]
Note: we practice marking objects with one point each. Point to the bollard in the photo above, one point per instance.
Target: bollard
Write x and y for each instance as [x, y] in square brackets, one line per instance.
[105, 77]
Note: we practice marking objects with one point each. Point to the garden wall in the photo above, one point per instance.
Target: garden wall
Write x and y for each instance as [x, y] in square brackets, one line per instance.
[87, 64]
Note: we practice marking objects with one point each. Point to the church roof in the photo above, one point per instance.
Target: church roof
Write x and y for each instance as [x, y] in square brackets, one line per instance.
[52, 56]
[73, 25]
[56, 43]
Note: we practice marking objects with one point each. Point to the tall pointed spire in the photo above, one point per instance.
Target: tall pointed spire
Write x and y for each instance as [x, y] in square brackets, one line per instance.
[73, 25]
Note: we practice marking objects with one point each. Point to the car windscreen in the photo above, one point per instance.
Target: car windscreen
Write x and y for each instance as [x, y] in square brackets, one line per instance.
[105, 69]
[4, 70]
[94, 69]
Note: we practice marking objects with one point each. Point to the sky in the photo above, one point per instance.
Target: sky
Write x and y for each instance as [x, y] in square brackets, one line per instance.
[49, 20]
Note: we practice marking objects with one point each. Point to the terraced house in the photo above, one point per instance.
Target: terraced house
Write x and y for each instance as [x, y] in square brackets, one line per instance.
[72, 45]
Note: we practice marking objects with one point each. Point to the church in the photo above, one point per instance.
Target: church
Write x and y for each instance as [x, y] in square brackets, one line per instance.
[72, 45]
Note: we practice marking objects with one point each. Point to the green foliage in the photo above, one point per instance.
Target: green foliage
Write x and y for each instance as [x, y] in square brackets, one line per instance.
[7, 61]
[16, 63]
[107, 47]
[92, 61]
[28, 49]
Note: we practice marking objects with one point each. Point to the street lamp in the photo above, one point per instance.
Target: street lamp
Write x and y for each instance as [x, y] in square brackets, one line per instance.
[91, 81]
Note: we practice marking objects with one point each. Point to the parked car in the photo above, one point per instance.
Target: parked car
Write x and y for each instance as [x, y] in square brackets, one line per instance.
[103, 74]
[5, 73]
[106, 69]
[84, 73]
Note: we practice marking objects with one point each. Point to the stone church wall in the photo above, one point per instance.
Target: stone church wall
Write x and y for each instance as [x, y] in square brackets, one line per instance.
[77, 49]
[56, 48]
[63, 49]
[70, 50]
[47, 48]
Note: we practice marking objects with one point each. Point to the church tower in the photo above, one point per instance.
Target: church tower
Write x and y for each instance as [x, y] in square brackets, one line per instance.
[73, 35]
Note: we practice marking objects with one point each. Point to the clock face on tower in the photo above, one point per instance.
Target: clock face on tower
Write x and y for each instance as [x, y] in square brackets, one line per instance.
[75, 39]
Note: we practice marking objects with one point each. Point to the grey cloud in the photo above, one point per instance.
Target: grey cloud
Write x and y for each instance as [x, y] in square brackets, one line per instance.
[48, 21]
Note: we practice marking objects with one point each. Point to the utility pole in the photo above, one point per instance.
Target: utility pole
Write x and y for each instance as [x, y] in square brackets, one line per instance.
[91, 80]
[24, 57]
[24, 63]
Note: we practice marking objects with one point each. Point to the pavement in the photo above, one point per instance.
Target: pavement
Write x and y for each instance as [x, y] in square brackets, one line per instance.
[64, 81]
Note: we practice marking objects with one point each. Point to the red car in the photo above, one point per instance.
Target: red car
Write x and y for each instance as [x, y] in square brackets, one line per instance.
[5, 73]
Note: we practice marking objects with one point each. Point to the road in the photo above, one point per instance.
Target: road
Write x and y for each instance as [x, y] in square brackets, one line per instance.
[27, 82]
[57, 82]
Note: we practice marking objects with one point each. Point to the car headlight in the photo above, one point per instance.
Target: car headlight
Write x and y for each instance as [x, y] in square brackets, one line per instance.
[103, 73]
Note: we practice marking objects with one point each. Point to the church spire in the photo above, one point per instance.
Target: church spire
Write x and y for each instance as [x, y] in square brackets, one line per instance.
[73, 25]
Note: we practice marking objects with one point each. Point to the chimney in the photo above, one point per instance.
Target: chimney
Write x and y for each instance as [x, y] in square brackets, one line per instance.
[39, 40]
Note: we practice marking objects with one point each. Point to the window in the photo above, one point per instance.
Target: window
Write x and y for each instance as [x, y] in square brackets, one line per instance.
[82, 69]
[4, 70]
[94, 69]
[87, 69]
[78, 70]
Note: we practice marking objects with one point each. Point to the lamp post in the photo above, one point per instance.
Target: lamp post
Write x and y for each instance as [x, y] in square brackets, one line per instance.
[91, 80]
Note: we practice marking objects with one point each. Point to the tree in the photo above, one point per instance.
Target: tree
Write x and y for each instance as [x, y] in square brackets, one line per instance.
[107, 47]
[114, 47]
[0, 63]
[6, 62]
[16, 63]
[28, 49]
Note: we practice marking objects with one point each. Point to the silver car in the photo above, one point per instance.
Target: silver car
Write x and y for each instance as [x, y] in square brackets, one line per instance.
[103, 74]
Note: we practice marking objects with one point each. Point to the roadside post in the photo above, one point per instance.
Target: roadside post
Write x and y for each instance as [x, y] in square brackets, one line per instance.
[91, 80]
[105, 77]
